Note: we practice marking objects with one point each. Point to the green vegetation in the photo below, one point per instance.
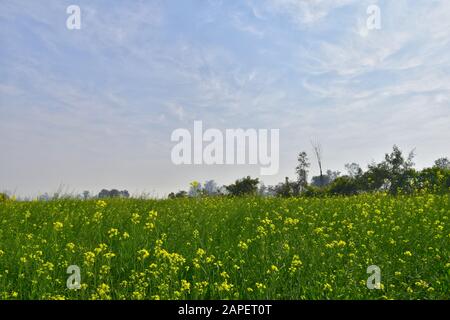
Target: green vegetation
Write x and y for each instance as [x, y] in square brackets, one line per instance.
[395, 175]
[227, 248]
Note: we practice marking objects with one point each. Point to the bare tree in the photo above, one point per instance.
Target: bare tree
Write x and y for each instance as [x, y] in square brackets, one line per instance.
[409, 163]
[318, 152]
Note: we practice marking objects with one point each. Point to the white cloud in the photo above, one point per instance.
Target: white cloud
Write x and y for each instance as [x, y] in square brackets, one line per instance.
[176, 110]
[307, 12]
[239, 23]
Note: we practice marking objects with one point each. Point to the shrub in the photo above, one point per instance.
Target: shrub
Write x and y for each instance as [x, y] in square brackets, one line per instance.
[3, 197]
[343, 186]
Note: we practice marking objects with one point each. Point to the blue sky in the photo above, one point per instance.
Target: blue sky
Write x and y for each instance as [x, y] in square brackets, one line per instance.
[94, 108]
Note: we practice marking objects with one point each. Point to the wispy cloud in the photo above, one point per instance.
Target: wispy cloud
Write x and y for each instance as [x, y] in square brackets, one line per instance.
[306, 12]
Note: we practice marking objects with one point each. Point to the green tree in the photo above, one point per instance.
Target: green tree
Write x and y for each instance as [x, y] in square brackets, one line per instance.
[287, 189]
[244, 186]
[442, 163]
[354, 170]
[394, 174]
[344, 186]
[302, 171]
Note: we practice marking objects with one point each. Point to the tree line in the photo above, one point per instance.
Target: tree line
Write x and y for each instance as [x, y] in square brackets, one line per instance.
[85, 195]
[395, 174]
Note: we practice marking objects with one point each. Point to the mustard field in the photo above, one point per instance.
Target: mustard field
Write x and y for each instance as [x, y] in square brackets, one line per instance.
[226, 248]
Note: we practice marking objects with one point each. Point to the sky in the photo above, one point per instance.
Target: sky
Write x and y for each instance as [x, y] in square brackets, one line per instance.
[95, 108]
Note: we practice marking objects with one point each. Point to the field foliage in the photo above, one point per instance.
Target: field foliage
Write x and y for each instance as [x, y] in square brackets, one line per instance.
[227, 248]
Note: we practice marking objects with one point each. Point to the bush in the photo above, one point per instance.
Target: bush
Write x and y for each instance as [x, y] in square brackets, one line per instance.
[3, 197]
[434, 179]
[179, 194]
[312, 191]
[343, 186]
[244, 186]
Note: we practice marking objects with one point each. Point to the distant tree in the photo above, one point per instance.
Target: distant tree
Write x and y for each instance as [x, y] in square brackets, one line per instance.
[396, 162]
[375, 177]
[318, 181]
[244, 186]
[354, 171]
[124, 194]
[400, 170]
[179, 194]
[210, 188]
[333, 175]
[302, 171]
[114, 193]
[103, 194]
[272, 191]
[442, 163]
[343, 186]
[86, 194]
[409, 163]
[326, 179]
[313, 191]
[44, 197]
[263, 190]
[286, 188]
[434, 180]
[195, 189]
[394, 174]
